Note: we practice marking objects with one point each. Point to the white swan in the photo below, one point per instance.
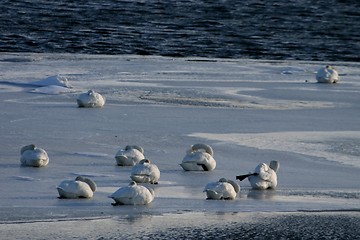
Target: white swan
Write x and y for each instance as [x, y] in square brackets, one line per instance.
[81, 187]
[145, 172]
[199, 158]
[33, 156]
[327, 74]
[223, 189]
[133, 194]
[129, 156]
[263, 177]
[91, 99]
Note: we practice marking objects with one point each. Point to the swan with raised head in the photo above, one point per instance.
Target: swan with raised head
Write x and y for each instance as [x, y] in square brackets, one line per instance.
[327, 74]
[223, 189]
[263, 177]
[129, 156]
[32, 156]
[199, 158]
[81, 187]
[145, 172]
[133, 194]
[91, 99]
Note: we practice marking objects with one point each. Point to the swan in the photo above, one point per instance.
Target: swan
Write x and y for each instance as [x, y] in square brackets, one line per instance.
[91, 99]
[81, 187]
[263, 177]
[145, 172]
[129, 156]
[199, 158]
[327, 74]
[133, 194]
[33, 156]
[222, 189]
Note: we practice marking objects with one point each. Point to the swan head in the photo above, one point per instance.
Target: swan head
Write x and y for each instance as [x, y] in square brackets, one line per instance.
[202, 146]
[144, 161]
[128, 147]
[132, 183]
[90, 182]
[27, 147]
[235, 185]
[91, 92]
[275, 165]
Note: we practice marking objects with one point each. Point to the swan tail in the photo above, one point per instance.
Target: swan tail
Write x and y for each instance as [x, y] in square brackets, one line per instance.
[211, 194]
[203, 166]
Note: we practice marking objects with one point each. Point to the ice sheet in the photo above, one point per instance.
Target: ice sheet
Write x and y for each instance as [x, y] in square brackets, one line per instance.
[249, 111]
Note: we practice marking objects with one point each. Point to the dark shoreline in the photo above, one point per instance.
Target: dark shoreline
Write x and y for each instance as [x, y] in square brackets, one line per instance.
[244, 225]
[317, 225]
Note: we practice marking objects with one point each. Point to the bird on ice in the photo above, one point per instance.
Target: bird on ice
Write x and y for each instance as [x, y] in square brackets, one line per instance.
[327, 74]
[263, 177]
[145, 172]
[223, 189]
[81, 187]
[91, 99]
[199, 158]
[33, 156]
[129, 156]
[133, 194]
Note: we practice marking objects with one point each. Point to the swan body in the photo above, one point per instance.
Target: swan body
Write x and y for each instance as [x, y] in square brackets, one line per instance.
[129, 156]
[133, 194]
[199, 158]
[327, 74]
[264, 176]
[145, 172]
[223, 189]
[33, 156]
[81, 187]
[91, 99]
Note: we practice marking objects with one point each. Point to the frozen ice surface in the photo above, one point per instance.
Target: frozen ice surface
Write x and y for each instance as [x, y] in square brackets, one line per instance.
[249, 111]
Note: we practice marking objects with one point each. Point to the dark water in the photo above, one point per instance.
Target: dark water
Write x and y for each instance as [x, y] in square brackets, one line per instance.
[286, 227]
[261, 29]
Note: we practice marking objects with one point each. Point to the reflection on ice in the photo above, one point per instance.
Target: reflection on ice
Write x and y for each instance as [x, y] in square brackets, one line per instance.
[262, 195]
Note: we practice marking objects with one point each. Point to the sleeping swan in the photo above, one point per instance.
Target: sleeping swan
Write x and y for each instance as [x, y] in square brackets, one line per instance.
[263, 177]
[81, 187]
[223, 189]
[91, 99]
[129, 156]
[145, 172]
[33, 157]
[199, 158]
[327, 74]
[133, 194]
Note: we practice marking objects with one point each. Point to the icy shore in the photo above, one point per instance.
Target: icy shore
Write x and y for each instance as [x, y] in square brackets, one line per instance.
[248, 111]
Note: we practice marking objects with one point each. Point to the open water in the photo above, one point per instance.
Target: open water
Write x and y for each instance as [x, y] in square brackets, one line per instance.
[326, 30]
